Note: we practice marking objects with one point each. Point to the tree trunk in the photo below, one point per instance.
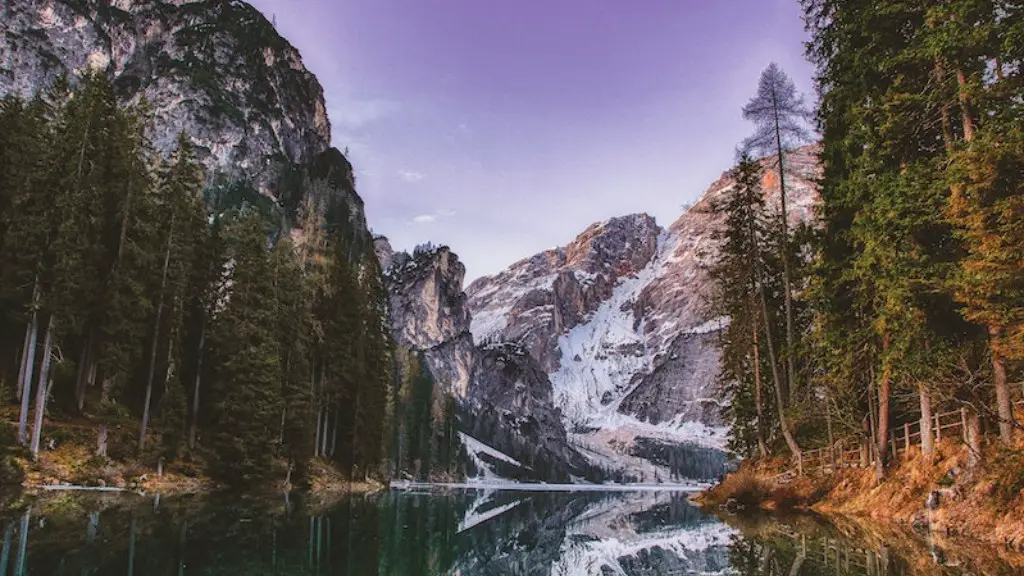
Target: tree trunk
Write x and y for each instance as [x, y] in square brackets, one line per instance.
[773, 359]
[316, 441]
[828, 425]
[974, 447]
[101, 441]
[965, 108]
[42, 388]
[26, 385]
[326, 427]
[19, 562]
[786, 274]
[194, 421]
[24, 357]
[927, 436]
[884, 391]
[1003, 403]
[131, 547]
[798, 562]
[783, 425]
[334, 433]
[156, 339]
[762, 447]
[865, 443]
[5, 555]
[947, 127]
[84, 369]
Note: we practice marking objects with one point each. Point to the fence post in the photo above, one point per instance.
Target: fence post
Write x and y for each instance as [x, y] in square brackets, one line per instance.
[892, 442]
[906, 437]
[963, 423]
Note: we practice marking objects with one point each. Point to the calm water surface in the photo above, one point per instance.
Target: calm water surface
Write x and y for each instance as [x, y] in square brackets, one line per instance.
[456, 532]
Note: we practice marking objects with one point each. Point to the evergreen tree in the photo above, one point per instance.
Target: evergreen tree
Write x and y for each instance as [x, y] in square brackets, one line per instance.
[779, 115]
[248, 359]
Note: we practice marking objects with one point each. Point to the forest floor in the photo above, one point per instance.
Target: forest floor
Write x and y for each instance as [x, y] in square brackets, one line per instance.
[67, 458]
[984, 504]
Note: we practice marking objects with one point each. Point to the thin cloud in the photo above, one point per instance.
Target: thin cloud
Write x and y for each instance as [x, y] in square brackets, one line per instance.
[431, 218]
[410, 176]
[358, 113]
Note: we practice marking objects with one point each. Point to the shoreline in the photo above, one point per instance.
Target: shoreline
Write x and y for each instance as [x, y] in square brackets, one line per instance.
[694, 488]
[936, 498]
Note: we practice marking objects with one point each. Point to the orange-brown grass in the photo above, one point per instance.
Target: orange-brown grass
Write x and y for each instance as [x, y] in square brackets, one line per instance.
[984, 504]
[746, 487]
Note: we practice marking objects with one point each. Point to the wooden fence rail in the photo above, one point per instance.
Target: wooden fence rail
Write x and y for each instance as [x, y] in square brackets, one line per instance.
[901, 438]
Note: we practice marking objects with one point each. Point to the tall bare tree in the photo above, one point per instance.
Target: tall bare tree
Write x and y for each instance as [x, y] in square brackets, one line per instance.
[780, 118]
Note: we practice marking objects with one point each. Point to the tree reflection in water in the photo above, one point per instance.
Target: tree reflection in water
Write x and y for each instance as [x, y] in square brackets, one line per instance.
[463, 532]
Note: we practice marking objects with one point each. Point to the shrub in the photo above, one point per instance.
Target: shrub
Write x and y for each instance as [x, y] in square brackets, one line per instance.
[1008, 474]
[745, 488]
[11, 471]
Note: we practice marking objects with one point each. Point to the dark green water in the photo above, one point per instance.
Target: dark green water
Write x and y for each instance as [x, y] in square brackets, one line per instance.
[457, 532]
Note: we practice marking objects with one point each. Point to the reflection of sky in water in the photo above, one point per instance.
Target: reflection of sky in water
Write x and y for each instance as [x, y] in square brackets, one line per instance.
[457, 532]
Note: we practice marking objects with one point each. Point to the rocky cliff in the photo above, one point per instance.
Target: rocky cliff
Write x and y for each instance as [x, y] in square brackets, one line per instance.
[216, 70]
[428, 312]
[619, 319]
[505, 401]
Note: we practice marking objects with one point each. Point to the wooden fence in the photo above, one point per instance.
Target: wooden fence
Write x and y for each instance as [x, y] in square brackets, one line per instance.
[945, 425]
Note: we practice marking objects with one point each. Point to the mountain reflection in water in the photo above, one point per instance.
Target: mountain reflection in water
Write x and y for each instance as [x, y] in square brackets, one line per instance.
[456, 532]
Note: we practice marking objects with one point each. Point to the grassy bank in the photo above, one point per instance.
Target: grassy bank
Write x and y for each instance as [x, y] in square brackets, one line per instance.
[984, 504]
[68, 457]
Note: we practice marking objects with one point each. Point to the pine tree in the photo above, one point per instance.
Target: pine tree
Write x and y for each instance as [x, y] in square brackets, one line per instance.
[738, 298]
[180, 212]
[779, 114]
[248, 359]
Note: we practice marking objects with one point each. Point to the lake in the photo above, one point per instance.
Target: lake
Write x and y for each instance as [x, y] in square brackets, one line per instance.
[464, 532]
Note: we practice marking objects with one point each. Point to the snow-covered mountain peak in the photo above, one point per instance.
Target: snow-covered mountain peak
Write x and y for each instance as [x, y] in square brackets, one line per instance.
[620, 319]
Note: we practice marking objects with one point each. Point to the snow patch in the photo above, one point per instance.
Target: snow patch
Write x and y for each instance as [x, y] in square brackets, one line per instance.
[475, 448]
[712, 325]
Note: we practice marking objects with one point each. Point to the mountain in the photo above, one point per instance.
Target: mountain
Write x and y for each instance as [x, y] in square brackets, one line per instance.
[504, 398]
[619, 320]
[214, 69]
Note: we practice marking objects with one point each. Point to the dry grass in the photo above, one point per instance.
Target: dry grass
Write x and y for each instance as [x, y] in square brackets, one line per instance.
[754, 487]
[745, 487]
[985, 504]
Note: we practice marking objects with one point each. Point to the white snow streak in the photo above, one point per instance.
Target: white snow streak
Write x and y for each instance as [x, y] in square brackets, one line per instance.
[475, 448]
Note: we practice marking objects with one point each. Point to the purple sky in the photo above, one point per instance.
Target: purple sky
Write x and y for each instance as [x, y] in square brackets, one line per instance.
[503, 128]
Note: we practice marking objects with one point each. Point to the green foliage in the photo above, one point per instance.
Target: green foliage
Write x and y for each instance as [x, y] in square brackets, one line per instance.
[231, 337]
[916, 264]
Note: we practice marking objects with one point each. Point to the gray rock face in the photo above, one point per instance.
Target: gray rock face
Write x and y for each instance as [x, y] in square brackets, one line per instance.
[510, 383]
[682, 386]
[216, 70]
[428, 311]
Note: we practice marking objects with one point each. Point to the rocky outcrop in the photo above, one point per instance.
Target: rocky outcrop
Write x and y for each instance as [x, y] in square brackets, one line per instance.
[511, 389]
[213, 69]
[619, 318]
[428, 312]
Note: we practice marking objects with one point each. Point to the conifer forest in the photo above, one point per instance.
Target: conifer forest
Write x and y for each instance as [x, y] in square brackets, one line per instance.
[904, 297]
[162, 319]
